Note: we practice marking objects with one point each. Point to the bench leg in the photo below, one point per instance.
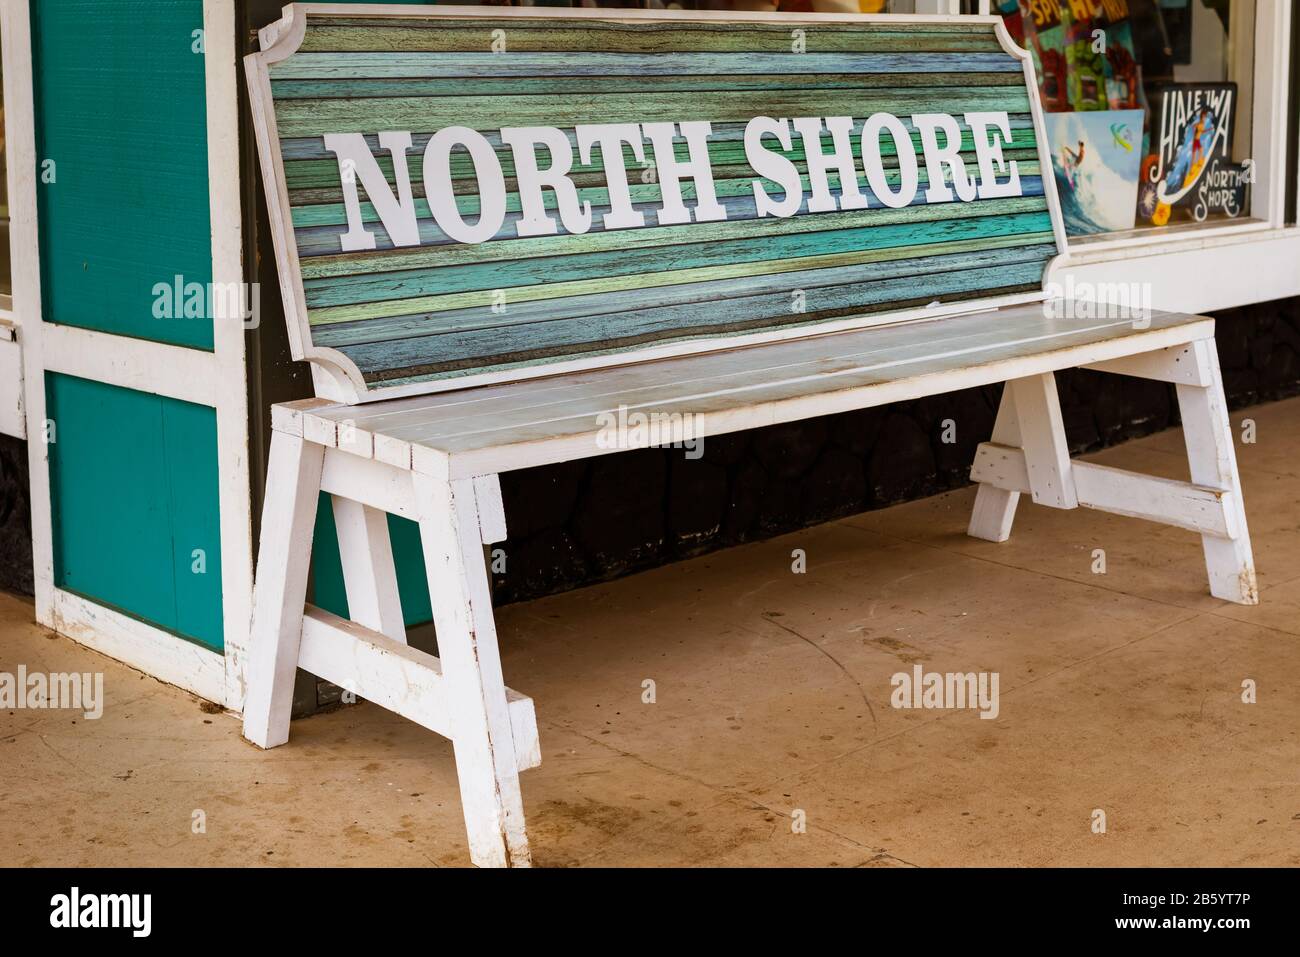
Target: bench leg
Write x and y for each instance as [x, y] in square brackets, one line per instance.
[452, 533]
[280, 592]
[995, 508]
[1213, 463]
[369, 574]
[1029, 419]
[1029, 454]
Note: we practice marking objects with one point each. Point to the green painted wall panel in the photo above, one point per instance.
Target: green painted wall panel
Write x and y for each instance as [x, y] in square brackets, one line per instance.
[120, 112]
[190, 452]
[327, 572]
[133, 483]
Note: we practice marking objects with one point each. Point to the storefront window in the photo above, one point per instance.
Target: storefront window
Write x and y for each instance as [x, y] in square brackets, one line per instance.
[1147, 108]
[1147, 103]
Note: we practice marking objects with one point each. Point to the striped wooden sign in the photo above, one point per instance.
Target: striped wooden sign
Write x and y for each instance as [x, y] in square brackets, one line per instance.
[462, 195]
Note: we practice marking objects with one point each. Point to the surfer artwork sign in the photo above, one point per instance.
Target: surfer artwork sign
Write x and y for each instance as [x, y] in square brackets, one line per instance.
[1095, 158]
[1192, 175]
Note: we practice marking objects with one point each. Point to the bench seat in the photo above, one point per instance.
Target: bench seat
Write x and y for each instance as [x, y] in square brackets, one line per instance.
[486, 430]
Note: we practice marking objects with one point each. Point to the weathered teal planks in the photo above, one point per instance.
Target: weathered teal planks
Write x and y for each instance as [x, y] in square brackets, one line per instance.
[617, 83]
[428, 269]
[804, 272]
[451, 34]
[427, 113]
[749, 256]
[350, 65]
[891, 285]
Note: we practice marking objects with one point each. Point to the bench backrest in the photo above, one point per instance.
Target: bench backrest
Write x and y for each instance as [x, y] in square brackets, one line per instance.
[466, 194]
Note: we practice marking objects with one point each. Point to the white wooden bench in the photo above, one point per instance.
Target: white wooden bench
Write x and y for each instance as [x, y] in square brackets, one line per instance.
[435, 457]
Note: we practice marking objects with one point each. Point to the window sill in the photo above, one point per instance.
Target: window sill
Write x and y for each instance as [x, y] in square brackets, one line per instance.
[1081, 250]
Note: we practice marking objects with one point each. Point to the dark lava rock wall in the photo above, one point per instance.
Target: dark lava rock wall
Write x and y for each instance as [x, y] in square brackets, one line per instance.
[580, 522]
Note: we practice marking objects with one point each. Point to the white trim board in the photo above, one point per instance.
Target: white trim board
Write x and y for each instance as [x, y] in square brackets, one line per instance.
[20, 143]
[1268, 127]
[1215, 274]
[12, 421]
[159, 653]
[230, 372]
[141, 365]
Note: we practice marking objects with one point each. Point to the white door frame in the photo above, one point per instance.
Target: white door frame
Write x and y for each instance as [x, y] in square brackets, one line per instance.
[216, 379]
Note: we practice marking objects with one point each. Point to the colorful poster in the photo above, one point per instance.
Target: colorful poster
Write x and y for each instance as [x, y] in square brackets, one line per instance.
[1194, 174]
[1083, 52]
[1095, 159]
[1044, 37]
[1085, 60]
[1041, 15]
[1123, 76]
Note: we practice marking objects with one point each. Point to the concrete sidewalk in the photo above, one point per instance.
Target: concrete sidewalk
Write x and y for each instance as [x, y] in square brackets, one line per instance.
[1119, 692]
